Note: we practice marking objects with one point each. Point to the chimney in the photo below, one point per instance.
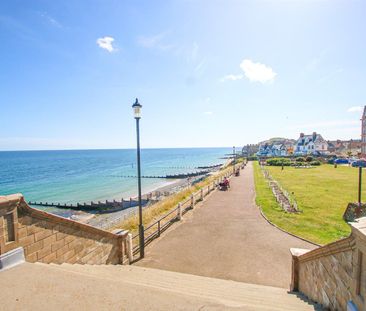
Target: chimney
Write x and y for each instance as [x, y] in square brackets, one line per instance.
[314, 136]
[302, 135]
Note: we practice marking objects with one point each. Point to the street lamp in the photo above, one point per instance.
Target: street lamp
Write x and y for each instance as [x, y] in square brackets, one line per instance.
[359, 185]
[137, 115]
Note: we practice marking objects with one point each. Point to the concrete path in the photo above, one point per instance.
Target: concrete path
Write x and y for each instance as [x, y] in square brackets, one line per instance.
[226, 237]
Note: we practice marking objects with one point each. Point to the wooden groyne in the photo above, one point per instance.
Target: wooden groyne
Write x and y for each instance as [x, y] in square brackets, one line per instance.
[99, 207]
[107, 206]
[173, 176]
[210, 167]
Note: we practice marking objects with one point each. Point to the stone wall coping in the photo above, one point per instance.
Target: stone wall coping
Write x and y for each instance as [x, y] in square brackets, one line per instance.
[296, 252]
[5, 200]
[359, 224]
[120, 232]
[15, 198]
[327, 250]
[359, 232]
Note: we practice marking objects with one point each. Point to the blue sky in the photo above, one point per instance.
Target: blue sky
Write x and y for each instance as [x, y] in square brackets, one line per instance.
[208, 73]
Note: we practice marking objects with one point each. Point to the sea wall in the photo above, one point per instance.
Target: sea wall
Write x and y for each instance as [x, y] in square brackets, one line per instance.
[333, 275]
[51, 239]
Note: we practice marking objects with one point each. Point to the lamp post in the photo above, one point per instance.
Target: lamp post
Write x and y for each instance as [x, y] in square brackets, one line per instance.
[137, 115]
[359, 185]
[234, 155]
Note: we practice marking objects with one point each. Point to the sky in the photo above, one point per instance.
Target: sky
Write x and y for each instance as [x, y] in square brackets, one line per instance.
[208, 73]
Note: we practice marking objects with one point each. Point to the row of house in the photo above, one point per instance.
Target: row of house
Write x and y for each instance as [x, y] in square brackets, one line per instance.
[276, 147]
[312, 144]
[352, 146]
[274, 150]
[306, 144]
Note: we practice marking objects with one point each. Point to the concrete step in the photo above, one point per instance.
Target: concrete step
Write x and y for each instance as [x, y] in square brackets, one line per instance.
[225, 293]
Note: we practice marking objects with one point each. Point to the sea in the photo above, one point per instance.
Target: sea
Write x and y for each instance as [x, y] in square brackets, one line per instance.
[72, 176]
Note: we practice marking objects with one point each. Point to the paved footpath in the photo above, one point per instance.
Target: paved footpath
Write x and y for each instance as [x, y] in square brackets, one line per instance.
[226, 237]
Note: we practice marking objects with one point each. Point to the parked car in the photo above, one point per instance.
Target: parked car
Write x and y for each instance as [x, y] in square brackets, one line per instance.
[359, 163]
[341, 161]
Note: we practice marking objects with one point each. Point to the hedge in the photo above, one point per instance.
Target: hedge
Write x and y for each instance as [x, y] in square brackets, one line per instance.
[278, 162]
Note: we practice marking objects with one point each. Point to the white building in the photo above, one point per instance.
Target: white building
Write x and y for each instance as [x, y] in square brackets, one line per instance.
[310, 144]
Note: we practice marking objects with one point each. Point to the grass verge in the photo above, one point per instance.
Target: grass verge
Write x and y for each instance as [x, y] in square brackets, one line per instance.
[322, 195]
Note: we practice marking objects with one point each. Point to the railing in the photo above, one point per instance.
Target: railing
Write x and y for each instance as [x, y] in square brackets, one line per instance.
[155, 229]
[283, 198]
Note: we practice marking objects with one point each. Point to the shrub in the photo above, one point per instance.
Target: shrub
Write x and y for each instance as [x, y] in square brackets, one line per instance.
[278, 162]
[309, 159]
[300, 159]
[252, 158]
[315, 163]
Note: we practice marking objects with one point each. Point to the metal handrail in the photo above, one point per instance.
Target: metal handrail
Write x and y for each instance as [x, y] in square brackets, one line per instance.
[165, 216]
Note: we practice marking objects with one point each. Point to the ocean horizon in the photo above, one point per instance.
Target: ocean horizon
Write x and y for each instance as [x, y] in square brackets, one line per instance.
[95, 149]
[84, 175]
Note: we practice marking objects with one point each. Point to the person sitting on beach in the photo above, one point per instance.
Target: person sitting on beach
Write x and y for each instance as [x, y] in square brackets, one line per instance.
[226, 182]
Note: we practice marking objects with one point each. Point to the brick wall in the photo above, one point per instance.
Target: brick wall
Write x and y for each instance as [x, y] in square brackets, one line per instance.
[51, 239]
[334, 274]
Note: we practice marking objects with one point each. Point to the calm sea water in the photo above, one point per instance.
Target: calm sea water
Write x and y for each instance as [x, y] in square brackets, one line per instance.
[72, 176]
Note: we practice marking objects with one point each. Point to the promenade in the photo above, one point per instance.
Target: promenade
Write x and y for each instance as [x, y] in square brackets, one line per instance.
[226, 237]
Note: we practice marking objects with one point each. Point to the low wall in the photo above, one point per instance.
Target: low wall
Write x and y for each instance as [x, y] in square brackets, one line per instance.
[51, 239]
[335, 274]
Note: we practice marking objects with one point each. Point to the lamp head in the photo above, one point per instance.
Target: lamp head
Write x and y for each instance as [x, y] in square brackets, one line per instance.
[137, 109]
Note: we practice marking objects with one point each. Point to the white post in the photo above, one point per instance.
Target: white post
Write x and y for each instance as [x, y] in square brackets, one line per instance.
[179, 211]
[129, 248]
[202, 194]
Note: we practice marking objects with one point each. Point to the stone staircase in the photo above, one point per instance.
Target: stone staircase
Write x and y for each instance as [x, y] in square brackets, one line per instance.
[115, 287]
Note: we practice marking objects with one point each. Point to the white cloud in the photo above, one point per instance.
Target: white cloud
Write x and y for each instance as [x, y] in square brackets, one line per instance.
[106, 43]
[257, 72]
[232, 77]
[208, 113]
[355, 109]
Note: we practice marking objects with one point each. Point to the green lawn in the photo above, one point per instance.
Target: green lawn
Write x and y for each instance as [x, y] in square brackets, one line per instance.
[322, 194]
